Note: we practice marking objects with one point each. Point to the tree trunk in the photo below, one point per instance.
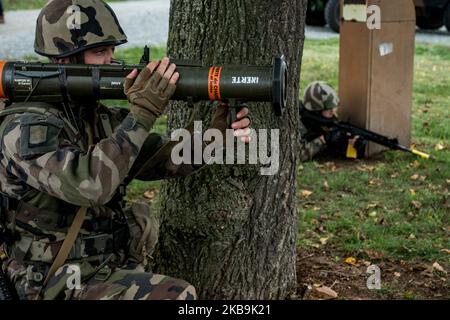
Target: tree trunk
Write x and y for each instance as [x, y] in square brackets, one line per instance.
[228, 230]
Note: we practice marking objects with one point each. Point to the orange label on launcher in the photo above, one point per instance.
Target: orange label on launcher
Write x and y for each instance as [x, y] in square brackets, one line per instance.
[2, 93]
[214, 83]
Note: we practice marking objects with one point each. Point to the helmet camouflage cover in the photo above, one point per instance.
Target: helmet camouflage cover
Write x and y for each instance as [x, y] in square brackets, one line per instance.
[320, 96]
[66, 27]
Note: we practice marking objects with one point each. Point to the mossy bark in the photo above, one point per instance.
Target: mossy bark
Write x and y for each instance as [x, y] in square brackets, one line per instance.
[228, 230]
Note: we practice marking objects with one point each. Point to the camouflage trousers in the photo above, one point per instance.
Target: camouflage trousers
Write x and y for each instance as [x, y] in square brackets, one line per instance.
[125, 283]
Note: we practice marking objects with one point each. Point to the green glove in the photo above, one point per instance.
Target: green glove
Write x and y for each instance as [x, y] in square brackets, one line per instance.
[149, 95]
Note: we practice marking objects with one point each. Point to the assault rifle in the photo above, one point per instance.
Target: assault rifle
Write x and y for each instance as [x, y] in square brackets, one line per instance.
[391, 143]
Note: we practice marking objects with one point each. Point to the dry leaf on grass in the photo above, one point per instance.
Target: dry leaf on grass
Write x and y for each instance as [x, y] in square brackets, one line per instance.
[372, 254]
[150, 193]
[365, 168]
[323, 241]
[306, 193]
[351, 261]
[416, 204]
[438, 267]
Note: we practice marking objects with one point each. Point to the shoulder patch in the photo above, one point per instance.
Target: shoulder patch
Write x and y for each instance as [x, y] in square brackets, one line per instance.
[38, 134]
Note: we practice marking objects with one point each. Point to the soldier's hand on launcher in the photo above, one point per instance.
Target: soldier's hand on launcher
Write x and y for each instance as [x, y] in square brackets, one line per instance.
[242, 125]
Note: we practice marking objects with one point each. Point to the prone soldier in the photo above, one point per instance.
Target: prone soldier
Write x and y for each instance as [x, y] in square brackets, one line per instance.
[321, 100]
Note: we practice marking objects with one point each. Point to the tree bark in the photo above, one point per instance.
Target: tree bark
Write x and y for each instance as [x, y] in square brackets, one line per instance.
[228, 230]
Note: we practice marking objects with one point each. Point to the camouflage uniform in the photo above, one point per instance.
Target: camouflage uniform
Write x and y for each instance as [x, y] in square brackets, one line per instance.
[56, 158]
[309, 148]
[318, 96]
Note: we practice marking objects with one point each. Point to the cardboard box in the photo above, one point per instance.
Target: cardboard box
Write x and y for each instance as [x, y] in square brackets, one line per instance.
[376, 68]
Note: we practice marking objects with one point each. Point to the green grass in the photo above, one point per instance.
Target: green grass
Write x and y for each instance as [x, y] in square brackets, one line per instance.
[28, 4]
[379, 205]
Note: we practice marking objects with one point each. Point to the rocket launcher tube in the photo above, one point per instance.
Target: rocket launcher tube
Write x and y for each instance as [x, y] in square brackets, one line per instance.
[35, 81]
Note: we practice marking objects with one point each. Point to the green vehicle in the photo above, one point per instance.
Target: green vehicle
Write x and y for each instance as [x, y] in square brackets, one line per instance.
[430, 14]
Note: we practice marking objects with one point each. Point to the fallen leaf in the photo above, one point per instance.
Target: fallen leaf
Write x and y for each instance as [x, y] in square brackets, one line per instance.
[439, 147]
[414, 164]
[427, 273]
[397, 274]
[330, 165]
[367, 263]
[323, 241]
[306, 193]
[351, 261]
[365, 168]
[325, 185]
[326, 292]
[414, 176]
[412, 191]
[438, 267]
[445, 251]
[372, 205]
[375, 182]
[373, 214]
[372, 254]
[412, 236]
[416, 204]
[151, 193]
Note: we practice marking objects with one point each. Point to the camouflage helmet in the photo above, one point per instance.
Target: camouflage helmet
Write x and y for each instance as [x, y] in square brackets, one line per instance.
[320, 96]
[67, 27]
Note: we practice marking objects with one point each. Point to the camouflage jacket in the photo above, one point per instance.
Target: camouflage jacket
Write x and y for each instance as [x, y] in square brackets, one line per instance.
[309, 147]
[310, 142]
[54, 165]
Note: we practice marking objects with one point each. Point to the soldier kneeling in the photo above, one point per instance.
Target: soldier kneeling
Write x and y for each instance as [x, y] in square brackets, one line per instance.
[64, 168]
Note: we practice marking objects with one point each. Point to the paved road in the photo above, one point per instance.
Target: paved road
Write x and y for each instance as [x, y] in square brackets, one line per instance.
[144, 22]
[441, 36]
